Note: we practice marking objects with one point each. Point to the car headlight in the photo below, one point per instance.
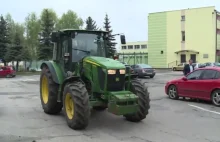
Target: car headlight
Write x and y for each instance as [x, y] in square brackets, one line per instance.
[122, 71]
[111, 71]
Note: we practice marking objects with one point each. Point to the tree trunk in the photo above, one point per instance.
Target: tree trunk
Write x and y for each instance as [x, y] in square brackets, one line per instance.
[25, 65]
[17, 64]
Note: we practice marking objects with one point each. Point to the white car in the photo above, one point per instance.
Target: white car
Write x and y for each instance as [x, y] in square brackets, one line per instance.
[198, 65]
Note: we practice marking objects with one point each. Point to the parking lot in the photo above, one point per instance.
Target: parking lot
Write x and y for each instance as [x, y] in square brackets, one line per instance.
[22, 118]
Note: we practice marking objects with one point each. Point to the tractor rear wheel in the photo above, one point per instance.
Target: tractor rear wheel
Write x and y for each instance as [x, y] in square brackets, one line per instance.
[76, 105]
[49, 93]
[140, 89]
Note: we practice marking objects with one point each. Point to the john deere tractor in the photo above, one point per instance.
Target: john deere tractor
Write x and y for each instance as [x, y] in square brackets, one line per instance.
[81, 78]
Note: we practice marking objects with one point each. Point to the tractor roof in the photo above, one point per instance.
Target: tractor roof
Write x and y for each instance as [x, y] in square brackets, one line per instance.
[71, 30]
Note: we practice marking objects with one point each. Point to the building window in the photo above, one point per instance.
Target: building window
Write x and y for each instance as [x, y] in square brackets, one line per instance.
[130, 46]
[143, 46]
[183, 18]
[137, 46]
[124, 47]
[183, 35]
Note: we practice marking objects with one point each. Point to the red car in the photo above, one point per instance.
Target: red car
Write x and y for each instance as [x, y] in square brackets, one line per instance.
[202, 83]
[7, 71]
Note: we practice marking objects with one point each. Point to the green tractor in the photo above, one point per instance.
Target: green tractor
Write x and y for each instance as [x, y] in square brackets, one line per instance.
[81, 78]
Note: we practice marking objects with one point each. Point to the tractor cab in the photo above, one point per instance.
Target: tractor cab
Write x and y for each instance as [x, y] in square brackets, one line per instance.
[71, 46]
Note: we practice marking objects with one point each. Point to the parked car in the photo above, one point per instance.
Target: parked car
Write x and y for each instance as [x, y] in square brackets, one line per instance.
[144, 70]
[7, 71]
[198, 65]
[212, 64]
[179, 67]
[202, 83]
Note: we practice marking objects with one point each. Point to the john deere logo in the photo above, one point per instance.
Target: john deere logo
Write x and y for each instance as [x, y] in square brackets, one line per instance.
[117, 79]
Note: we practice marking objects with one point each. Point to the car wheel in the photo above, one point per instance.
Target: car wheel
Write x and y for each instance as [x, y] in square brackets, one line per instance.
[215, 97]
[172, 92]
[174, 69]
[152, 76]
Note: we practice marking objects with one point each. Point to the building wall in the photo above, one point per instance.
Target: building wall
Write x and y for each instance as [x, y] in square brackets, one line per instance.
[200, 33]
[218, 36]
[173, 36]
[157, 39]
[165, 35]
[133, 44]
[136, 55]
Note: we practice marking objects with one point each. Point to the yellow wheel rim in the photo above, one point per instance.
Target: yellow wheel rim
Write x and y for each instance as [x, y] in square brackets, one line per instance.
[44, 89]
[69, 105]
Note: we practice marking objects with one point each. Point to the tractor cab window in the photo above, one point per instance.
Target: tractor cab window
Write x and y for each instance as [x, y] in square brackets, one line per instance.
[87, 44]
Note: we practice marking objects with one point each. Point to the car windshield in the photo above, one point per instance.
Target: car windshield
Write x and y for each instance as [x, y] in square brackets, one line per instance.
[144, 66]
[87, 44]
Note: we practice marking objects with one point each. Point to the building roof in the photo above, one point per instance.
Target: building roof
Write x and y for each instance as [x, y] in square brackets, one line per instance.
[69, 30]
[184, 9]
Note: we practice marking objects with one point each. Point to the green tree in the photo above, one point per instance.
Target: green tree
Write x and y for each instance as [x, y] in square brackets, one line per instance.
[10, 26]
[14, 52]
[111, 38]
[47, 21]
[91, 24]
[32, 28]
[69, 20]
[4, 38]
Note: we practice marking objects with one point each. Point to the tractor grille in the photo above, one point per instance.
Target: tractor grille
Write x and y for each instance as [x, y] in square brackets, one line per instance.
[101, 75]
[115, 82]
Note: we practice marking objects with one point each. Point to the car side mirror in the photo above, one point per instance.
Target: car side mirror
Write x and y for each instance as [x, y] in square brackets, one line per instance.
[123, 40]
[184, 78]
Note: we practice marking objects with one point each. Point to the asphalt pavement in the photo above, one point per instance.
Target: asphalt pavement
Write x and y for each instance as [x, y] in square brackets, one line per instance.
[22, 118]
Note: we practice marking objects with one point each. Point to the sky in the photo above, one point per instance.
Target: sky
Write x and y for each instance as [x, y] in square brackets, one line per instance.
[126, 16]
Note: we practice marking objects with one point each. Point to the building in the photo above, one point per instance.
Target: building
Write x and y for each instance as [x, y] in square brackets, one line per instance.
[177, 36]
[134, 52]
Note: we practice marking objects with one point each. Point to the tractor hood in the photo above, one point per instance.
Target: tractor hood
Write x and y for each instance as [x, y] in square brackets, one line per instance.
[106, 63]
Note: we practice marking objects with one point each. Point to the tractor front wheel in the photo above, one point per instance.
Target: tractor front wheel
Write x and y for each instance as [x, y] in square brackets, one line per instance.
[76, 105]
[49, 93]
[140, 89]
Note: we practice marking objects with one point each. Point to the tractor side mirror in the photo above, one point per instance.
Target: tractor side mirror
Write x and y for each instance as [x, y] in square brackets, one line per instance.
[123, 40]
[54, 36]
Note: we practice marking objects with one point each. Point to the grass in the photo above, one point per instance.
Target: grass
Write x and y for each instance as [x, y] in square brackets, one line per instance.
[28, 73]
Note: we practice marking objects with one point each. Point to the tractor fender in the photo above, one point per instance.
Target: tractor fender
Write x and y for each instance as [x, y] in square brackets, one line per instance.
[131, 76]
[56, 72]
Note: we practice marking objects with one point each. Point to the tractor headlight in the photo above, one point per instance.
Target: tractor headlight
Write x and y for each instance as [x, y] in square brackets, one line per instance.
[122, 71]
[111, 71]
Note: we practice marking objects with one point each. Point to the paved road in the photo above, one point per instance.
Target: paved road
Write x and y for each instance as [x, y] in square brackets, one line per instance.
[22, 118]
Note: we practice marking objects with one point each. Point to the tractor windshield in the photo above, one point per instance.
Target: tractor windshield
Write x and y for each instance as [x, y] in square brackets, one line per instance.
[87, 44]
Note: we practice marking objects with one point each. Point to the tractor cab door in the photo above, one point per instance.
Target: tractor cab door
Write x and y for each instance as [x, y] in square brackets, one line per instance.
[66, 54]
